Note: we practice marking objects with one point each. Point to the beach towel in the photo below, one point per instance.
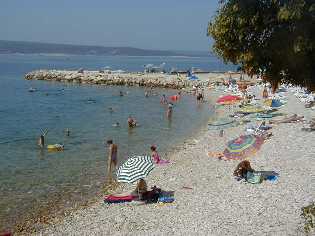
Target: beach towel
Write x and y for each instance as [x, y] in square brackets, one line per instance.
[118, 199]
[163, 162]
[253, 178]
[166, 199]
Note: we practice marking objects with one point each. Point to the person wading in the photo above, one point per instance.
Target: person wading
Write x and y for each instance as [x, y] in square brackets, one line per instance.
[112, 159]
[41, 140]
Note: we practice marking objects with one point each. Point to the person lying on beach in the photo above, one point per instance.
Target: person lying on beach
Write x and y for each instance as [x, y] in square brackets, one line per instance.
[242, 168]
[292, 119]
[131, 122]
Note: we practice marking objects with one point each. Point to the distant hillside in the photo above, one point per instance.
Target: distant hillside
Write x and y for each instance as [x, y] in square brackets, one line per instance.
[8, 47]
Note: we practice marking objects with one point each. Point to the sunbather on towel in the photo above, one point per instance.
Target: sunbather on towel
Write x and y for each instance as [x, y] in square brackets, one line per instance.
[292, 119]
[242, 169]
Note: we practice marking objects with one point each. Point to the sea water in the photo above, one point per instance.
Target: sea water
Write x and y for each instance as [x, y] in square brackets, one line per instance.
[32, 179]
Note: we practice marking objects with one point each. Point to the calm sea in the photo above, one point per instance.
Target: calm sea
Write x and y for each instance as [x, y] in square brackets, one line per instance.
[32, 180]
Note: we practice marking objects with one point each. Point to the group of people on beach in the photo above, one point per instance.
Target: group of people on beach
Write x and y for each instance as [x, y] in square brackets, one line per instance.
[168, 102]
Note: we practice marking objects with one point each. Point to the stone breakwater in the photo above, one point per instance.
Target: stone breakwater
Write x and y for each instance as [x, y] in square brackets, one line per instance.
[129, 79]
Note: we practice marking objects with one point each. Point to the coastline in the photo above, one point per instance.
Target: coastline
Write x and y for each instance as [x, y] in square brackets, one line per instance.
[53, 215]
[217, 203]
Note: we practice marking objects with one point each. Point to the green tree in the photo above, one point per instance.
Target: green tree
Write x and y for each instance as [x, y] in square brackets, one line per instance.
[273, 37]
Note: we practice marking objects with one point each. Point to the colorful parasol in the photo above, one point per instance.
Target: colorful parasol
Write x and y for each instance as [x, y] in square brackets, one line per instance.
[228, 99]
[273, 103]
[251, 109]
[242, 147]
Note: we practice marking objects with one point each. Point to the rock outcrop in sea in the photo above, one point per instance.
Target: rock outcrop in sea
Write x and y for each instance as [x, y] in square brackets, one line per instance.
[129, 79]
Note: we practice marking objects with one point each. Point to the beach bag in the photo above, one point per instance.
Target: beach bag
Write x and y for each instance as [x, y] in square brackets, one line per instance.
[253, 178]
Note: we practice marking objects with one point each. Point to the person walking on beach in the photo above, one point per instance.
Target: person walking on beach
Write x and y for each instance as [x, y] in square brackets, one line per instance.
[112, 158]
[265, 93]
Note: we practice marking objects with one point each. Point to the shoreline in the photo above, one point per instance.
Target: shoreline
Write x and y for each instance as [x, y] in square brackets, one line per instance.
[217, 203]
[55, 216]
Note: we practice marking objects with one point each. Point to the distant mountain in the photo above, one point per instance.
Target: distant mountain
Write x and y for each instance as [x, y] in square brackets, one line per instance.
[9, 47]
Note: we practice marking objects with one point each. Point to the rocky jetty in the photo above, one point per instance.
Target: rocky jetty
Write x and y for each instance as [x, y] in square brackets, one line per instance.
[129, 79]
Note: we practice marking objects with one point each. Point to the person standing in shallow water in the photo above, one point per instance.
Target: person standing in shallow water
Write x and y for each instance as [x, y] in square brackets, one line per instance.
[41, 140]
[112, 158]
[169, 110]
[163, 99]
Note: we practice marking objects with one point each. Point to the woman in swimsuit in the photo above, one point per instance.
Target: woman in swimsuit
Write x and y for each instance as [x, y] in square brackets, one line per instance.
[155, 156]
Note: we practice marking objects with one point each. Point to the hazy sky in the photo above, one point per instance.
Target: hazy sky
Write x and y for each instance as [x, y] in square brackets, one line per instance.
[152, 24]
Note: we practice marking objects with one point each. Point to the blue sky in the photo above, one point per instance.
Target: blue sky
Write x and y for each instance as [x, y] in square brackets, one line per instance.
[162, 24]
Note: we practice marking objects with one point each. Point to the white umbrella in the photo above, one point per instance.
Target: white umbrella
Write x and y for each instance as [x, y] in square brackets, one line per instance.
[135, 168]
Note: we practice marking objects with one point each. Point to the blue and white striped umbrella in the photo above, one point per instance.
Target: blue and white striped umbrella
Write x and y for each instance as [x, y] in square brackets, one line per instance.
[135, 168]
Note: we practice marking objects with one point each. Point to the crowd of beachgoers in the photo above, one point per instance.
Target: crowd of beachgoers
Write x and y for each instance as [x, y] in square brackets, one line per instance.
[250, 171]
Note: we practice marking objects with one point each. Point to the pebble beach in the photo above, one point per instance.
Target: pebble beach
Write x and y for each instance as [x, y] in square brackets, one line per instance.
[208, 199]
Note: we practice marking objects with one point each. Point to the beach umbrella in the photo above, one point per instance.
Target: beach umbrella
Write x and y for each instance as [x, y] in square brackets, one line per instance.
[135, 168]
[251, 109]
[228, 99]
[242, 147]
[273, 103]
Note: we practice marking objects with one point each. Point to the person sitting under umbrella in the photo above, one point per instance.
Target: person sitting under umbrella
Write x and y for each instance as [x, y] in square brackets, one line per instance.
[141, 188]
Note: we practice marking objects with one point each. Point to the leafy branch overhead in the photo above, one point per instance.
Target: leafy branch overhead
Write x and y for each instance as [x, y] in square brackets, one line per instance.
[275, 38]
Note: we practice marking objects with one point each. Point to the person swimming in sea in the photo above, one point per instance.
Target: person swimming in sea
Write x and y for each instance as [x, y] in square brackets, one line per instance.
[121, 94]
[131, 122]
[116, 124]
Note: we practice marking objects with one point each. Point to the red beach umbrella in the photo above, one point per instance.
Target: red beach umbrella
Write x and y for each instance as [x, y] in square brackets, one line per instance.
[228, 99]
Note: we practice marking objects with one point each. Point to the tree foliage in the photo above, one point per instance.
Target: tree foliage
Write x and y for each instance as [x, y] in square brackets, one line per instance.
[273, 37]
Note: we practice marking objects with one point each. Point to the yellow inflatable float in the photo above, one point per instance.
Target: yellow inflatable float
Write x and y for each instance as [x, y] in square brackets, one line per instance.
[55, 147]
